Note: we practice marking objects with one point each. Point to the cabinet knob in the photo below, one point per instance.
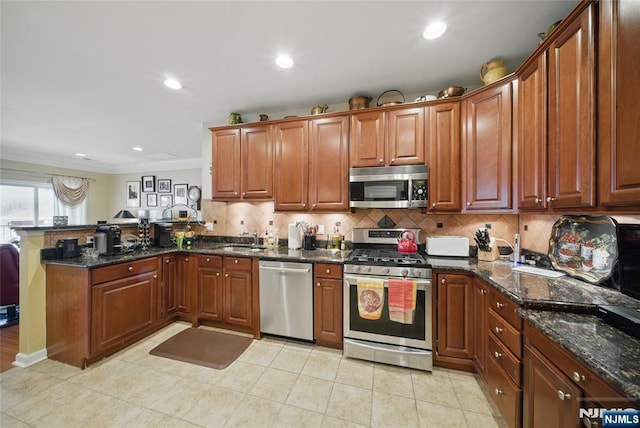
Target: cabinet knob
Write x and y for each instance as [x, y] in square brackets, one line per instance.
[313, 206]
[563, 396]
[393, 160]
[166, 261]
[304, 205]
[433, 205]
[226, 275]
[444, 281]
[318, 284]
[236, 261]
[498, 330]
[498, 391]
[499, 305]
[468, 204]
[208, 259]
[155, 276]
[483, 291]
[244, 193]
[497, 354]
[217, 273]
[130, 268]
[538, 200]
[380, 161]
[187, 259]
[550, 199]
[577, 377]
[235, 193]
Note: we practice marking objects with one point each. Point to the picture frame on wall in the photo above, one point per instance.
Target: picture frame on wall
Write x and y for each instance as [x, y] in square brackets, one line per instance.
[133, 194]
[166, 200]
[152, 199]
[164, 185]
[148, 183]
[180, 193]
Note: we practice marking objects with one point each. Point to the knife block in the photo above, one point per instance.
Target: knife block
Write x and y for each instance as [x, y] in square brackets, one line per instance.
[489, 256]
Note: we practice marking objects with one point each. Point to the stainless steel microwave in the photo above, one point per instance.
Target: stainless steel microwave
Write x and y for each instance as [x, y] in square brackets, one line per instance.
[389, 187]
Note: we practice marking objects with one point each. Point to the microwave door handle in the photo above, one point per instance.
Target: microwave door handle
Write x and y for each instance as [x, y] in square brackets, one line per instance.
[410, 192]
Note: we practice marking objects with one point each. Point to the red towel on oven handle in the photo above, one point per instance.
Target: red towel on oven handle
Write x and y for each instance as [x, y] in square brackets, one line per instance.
[402, 300]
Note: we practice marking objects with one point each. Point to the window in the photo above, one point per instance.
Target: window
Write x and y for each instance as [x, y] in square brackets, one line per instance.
[32, 204]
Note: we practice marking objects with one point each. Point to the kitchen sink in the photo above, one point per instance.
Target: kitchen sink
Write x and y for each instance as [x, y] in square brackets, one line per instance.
[243, 248]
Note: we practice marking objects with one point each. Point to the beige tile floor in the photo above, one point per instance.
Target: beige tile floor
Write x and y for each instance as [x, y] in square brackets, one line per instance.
[275, 383]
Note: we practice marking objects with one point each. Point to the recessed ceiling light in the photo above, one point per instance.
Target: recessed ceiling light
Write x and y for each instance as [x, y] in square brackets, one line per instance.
[434, 30]
[173, 84]
[80, 155]
[284, 61]
[137, 149]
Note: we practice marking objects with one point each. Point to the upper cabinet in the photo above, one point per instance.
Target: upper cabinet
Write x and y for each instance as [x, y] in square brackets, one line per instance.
[571, 145]
[618, 112]
[443, 149]
[292, 172]
[242, 163]
[390, 137]
[487, 171]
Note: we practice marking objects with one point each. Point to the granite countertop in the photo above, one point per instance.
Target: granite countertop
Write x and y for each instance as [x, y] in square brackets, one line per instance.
[607, 351]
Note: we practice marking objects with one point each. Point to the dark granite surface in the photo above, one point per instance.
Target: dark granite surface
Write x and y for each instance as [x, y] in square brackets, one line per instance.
[607, 351]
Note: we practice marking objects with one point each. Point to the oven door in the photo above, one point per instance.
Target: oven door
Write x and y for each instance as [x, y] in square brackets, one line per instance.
[383, 330]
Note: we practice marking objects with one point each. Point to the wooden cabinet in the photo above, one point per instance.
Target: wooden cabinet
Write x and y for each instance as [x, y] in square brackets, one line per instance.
[391, 137]
[242, 163]
[480, 329]
[532, 134]
[556, 385]
[443, 157]
[169, 276]
[210, 286]
[186, 283]
[571, 133]
[292, 160]
[328, 305]
[237, 296]
[329, 164]
[618, 94]
[454, 339]
[487, 171]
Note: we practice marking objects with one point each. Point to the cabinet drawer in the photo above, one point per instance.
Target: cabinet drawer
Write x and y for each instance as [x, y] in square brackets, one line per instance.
[506, 396]
[209, 261]
[506, 308]
[505, 359]
[327, 270]
[504, 331]
[237, 263]
[122, 270]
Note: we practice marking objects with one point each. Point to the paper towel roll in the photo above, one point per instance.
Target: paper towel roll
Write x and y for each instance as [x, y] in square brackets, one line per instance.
[295, 237]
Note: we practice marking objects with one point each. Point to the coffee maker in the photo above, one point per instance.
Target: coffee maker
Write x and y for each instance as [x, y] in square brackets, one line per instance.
[112, 235]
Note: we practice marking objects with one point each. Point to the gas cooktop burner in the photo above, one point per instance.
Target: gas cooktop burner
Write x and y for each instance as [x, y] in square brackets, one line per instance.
[385, 256]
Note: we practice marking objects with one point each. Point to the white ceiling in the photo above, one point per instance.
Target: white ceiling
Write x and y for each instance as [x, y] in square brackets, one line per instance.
[86, 76]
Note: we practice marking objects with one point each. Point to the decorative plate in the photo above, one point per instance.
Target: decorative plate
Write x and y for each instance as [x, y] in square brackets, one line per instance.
[584, 246]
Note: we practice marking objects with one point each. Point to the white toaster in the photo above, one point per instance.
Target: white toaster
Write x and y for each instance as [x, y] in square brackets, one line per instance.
[448, 246]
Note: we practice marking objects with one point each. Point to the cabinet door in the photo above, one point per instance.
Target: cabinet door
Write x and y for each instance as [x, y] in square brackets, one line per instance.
[550, 399]
[237, 298]
[443, 147]
[210, 288]
[257, 162]
[121, 308]
[455, 316]
[292, 166]
[168, 286]
[618, 112]
[328, 299]
[488, 149]
[329, 164]
[187, 272]
[572, 115]
[225, 164]
[367, 139]
[405, 136]
[480, 330]
[532, 135]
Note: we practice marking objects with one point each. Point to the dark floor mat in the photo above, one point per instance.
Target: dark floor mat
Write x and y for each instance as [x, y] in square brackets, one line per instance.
[203, 347]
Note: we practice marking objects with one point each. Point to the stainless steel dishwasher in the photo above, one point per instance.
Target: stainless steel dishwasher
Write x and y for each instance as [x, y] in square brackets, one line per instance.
[286, 299]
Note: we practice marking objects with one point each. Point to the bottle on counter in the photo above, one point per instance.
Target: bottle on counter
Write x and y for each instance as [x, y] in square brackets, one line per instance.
[337, 237]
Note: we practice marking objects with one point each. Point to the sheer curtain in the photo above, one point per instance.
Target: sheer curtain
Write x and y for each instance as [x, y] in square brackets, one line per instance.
[71, 198]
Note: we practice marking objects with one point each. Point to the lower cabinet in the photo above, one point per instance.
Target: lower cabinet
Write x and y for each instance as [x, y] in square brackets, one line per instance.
[179, 276]
[454, 312]
[480, 332]
[328, 298]
[237, 298]
[168, 286]
[210, 288]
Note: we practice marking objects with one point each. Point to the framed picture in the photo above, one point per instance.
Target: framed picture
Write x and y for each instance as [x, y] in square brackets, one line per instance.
[166, 200]
[148, 183]
[164, 185]
[133, 193]
[152, 199]
[180, 193]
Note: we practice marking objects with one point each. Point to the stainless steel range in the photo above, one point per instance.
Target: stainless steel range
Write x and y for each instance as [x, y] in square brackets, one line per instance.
[387, 301]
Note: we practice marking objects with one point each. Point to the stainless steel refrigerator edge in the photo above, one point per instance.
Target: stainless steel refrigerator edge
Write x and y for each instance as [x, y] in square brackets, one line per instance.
[286, 299]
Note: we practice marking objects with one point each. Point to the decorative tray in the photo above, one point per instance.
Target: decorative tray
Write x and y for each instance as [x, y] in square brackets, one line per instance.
[584, 246]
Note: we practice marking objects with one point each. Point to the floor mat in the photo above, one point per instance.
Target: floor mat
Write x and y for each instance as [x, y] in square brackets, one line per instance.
[203, 347]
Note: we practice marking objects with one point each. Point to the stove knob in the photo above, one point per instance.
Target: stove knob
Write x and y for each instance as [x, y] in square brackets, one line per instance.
[404, 272]
[356, 268]
[367, 268]
[417, 273]
[385, 270]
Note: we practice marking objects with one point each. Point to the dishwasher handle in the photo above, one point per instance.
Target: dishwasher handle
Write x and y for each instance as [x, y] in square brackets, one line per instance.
[283, 269]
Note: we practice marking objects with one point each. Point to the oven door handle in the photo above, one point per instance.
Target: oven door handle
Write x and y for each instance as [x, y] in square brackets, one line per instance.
[422, 284]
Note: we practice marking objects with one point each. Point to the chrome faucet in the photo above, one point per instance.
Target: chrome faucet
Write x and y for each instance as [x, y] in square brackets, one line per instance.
[256, 240]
